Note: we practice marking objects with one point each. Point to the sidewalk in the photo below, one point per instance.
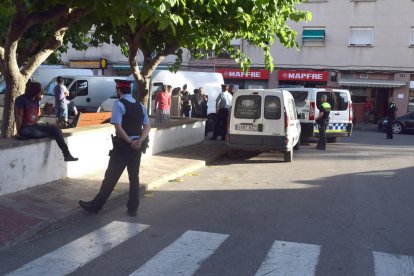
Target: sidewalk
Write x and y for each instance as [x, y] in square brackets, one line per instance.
[26, 214]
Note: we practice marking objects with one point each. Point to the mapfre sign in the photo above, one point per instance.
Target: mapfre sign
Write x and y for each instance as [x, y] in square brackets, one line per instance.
[252, 74]
[284, 75]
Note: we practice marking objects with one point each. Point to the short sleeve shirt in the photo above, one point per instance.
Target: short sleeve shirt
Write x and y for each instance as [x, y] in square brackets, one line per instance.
[30, 109]
[224, 100]
[118, 110]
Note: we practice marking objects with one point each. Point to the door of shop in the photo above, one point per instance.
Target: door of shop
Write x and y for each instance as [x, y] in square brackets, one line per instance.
[381, 96]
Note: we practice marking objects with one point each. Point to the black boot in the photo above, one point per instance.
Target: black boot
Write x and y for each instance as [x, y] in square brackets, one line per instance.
[68, 157]
[87, 205]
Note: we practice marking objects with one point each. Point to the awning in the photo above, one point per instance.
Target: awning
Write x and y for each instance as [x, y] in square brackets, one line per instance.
[371, 83]
[313, 34]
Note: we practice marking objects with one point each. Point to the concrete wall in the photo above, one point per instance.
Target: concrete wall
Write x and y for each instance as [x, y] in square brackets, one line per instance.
[30, 163]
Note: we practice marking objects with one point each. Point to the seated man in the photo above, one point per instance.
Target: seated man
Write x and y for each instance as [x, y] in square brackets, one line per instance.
[26, 112]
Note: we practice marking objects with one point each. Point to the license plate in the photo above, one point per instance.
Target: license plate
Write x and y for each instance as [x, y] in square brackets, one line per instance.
[247, 127]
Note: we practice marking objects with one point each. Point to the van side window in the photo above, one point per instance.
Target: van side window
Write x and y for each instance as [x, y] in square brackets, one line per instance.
[82, 88]
[248, 107]
[300, 97]
[338, 100]
[272, 108]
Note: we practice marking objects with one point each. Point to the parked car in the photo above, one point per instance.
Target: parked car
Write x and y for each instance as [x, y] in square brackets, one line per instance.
[401, 124]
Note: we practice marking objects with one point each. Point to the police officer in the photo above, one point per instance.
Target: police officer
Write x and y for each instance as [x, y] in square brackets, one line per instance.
[132, 126]
[392, 108]
[322, 121]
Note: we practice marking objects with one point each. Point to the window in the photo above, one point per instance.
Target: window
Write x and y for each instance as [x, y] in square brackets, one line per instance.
[338, 100]
[248, 107]
[272, 109]
[412, 37]
[313, 37]
[80, 88]
[361, 36]
[301, 97]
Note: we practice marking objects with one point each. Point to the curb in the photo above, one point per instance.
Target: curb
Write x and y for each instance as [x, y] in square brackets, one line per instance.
[76, 213]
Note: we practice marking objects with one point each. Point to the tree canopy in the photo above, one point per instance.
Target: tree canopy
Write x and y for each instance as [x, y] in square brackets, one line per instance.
[31, 31]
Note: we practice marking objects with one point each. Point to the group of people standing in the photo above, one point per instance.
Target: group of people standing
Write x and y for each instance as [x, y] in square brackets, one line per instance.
[195, 103]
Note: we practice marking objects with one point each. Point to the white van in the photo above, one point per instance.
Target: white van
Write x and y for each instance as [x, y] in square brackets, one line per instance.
[45, 73]
[86, 92]
[264, 119]
[340, 120]
[210, 81]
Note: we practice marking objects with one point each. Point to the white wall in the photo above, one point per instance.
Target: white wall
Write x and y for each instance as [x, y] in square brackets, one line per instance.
[30, 163]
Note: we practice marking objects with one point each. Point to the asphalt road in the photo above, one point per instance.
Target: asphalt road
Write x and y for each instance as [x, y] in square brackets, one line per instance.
[346, 211]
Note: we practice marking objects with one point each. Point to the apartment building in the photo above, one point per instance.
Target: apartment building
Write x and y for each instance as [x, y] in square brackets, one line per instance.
[366, 46]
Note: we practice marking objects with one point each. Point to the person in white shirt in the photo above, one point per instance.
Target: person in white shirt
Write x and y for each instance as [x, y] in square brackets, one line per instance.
[223, 104]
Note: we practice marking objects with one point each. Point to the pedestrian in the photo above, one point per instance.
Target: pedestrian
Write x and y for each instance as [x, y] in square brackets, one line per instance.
[61, 103]
[26, 113]
[223, 104]
[367, 109]
[323, 120]
[175, 109]
[231, 89]
[199, 101]
[132, 127]
[185, 102]
[162, 105]
[392, 108]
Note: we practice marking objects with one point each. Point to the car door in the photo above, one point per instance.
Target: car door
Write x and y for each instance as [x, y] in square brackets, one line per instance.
[339, 115]
[79, 94]
[273, 119]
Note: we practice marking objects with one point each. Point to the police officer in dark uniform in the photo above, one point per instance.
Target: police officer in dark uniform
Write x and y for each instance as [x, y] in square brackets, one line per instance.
[392, 108]
[323, 121]
[132, 127]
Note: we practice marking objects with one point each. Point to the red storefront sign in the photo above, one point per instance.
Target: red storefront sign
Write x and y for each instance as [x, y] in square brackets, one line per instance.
[252, 74]
[294, 75]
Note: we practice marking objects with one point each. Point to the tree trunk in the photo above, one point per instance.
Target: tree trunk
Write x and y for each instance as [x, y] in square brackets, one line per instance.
[15, 86]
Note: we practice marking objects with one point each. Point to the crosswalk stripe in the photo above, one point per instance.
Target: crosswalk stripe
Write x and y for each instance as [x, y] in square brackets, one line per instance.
[184, 256]
[289, 258]
[77, 253]
[390, 264]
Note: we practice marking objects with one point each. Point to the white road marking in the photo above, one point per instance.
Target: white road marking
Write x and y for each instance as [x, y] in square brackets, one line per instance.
[390, 264]
[77, 253]
[184, 256]
[289, 258]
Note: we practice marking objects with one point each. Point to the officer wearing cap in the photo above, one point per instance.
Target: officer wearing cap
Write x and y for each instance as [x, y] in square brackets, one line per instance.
[132, 126]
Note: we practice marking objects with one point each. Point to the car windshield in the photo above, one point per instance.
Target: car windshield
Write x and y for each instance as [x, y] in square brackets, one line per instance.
[48, 90]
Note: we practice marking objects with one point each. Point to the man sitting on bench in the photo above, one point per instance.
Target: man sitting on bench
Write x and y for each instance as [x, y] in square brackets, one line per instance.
[27, 110]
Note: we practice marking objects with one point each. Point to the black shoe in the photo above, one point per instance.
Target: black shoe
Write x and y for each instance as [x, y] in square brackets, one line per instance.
[87, 205]
[69, 158]
[132, 213]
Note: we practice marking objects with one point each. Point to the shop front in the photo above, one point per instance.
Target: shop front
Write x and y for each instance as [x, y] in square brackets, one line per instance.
[378, 91]
[253, 79]
[289, 78]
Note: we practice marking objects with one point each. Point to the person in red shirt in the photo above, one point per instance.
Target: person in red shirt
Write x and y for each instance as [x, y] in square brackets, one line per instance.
[163, 105]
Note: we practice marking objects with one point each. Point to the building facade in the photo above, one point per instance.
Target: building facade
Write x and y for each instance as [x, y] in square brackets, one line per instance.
[366, 46]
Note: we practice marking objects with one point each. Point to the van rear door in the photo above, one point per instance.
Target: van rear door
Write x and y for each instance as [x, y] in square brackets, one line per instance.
[340, 110]
[247, 119]
[273, 119]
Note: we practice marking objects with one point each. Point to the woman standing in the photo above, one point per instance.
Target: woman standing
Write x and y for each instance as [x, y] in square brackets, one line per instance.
[162, 105]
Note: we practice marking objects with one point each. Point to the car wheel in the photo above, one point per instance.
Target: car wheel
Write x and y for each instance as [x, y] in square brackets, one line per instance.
[332, 139]
[288, 156]
[397, 128]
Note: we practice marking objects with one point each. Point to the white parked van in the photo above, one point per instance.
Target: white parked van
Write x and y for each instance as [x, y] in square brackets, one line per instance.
[86, 92]
[210, 81]
[264, 119]
[340, 120]
[45, 73]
